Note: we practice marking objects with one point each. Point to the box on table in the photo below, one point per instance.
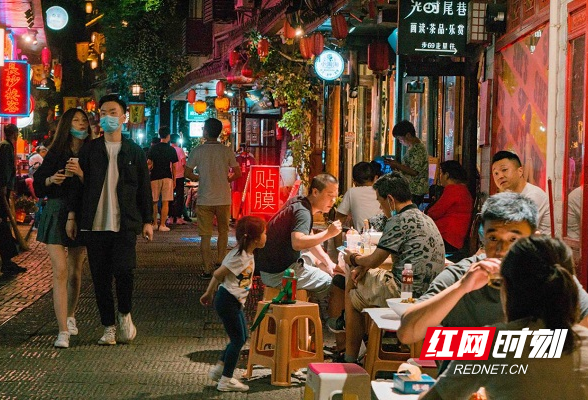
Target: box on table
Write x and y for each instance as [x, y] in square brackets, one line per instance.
[403, 384]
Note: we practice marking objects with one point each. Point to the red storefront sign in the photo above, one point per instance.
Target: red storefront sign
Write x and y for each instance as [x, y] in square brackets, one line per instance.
[264, 189]
[14, 89]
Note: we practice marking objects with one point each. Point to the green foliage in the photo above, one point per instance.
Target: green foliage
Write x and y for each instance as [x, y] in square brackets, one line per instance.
[286, 77]
[25, 203]
[143, 46]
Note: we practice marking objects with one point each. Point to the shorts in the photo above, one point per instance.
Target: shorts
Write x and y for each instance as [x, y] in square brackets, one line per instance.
[205, 215]
[163, 187]
[376, 286]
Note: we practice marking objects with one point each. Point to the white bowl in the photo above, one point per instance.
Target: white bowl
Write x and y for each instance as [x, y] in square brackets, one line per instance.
[398, 307]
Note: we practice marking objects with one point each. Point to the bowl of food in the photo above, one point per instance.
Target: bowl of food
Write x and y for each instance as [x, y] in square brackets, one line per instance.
[400, 305]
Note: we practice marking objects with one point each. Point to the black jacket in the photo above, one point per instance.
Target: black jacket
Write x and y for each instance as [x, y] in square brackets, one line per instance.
[133, 188]
[52, 163]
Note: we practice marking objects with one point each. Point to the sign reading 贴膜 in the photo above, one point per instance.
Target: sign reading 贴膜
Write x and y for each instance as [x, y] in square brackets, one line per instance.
[437, 28]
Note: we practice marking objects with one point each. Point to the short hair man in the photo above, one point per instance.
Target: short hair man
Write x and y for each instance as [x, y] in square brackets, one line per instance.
[409, 237]
[214, 161]
[7, 181]
[162, 158]
[290, 238]
[112, 208]
[36, 159]
[507, 172]
[460, 296]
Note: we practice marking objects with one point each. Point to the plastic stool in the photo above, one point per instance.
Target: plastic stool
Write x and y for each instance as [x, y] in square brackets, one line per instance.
[269, 293]
[285, 354]
[324, 380]
[377, 359]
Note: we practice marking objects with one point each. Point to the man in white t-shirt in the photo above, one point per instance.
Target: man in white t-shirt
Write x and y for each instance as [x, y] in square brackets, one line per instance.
[37, 159]
[507, 172]
[213, 161]
[111, 208]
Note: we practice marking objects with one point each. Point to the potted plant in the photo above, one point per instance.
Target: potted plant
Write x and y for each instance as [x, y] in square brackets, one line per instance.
[24, 205]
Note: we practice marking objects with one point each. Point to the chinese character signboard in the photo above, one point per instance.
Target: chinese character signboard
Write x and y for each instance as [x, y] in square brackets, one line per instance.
[136, 113]
[69, 102]
[264, 189]
[14, 89]
[432, 27]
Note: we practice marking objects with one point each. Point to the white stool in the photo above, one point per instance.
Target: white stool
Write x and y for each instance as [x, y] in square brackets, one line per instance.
[324, 380]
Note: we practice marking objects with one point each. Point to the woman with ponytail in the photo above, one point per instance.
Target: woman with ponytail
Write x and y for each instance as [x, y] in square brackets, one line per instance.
[538, 291]
[234, 277]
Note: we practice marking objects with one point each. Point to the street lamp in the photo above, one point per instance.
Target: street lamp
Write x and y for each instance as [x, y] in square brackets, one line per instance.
[136, 89]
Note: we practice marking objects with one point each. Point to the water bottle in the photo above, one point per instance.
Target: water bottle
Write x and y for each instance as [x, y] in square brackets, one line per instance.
[407, 277]
[366, 240]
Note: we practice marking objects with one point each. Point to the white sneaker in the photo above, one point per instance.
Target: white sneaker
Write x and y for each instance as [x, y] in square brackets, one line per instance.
[71, 326]
[163, 228]
[128, 331]
[62, 341]
[109, 337]
[216, 372]
[231, 385]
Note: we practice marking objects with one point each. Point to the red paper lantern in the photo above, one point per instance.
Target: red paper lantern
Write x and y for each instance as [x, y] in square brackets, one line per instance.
[339, 26]
[57, 71]
[289, 32]
[263, 49]
[230, 78]
[246, 71]
[46, 56]
[280, 133]
[191, 96]
[234, 58]
[200, 107]
[306, 47]
[378, 56]
[222, 104]
[220, 88]
[318, 43]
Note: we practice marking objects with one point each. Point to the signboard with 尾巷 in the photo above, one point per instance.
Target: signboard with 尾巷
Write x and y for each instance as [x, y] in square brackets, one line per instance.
[437, 28]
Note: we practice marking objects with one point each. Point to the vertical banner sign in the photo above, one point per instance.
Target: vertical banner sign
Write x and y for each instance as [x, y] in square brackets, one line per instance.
[264, 189]
[136, 113]
[69, 102]
[14, 89]
[437, 28]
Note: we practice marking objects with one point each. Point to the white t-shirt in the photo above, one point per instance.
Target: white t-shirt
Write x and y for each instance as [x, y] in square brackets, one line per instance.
[242, 267]
[540, 198]
[575, 213]
[361, 203]
[107, 216]
[34, 162]
[213, 160]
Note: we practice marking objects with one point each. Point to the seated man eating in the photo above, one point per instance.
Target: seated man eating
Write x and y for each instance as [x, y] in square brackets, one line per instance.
[450, 301]
[409, 237]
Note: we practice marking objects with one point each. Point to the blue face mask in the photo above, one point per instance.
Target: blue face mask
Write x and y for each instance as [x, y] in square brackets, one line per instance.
[78, 134]
[109, 124]
[393, 211]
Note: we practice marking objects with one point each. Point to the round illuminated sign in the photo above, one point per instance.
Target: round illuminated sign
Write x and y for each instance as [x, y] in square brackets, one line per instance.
[329, 65]
[56, 18]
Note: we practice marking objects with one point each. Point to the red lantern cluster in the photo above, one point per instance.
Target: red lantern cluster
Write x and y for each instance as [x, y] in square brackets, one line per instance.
[263, 49]
[378, 56]
[339, 26]
[289, 32]
[306, 47]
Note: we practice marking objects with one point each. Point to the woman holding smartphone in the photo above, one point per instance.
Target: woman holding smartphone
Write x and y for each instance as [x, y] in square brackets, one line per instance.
[53, 179]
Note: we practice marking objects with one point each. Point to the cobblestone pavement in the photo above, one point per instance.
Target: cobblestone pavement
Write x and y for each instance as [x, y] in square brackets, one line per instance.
[178, 340]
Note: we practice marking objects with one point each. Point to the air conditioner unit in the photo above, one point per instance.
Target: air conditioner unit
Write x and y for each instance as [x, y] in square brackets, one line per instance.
[242, 5]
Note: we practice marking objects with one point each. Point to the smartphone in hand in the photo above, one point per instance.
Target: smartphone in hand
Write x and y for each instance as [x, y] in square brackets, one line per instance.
[341, 249]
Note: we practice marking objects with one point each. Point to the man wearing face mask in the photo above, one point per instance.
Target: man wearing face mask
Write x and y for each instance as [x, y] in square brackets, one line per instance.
[409, 237]
[115, 206]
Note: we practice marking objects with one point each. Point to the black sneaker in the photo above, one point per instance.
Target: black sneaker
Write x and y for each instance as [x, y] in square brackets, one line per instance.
[187, 219]
[206, 276]
[337, 325]
[12, 268]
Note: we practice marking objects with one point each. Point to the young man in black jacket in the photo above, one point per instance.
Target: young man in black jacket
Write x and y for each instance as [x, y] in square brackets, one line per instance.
[110, 209]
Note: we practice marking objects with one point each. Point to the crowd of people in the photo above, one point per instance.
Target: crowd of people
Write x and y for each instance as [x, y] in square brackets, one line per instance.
[103, 193]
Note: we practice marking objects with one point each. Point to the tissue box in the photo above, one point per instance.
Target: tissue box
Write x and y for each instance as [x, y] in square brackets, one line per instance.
[403, 384]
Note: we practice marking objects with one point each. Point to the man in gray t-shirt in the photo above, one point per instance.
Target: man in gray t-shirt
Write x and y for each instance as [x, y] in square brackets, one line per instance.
[459, 296]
